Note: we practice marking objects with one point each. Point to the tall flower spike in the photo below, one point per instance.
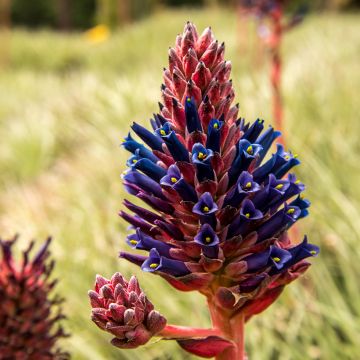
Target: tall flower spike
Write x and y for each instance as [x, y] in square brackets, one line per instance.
[220, 207]
[121, 308]
[29, 317]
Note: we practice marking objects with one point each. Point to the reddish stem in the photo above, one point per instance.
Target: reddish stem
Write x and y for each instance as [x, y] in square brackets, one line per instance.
[276, 69]
[181, 332]
[231, 328]
[238, 333]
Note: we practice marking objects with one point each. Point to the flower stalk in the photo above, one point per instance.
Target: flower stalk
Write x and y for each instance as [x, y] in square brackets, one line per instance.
[230, 328]
[181, 332]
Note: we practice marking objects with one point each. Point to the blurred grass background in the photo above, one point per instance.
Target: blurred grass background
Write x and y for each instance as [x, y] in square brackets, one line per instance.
[65, 105]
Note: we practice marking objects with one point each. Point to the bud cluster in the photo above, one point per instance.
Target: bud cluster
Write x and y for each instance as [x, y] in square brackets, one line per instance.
[122, 309]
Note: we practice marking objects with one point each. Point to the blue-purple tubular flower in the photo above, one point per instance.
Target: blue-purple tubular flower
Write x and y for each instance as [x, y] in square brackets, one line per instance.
[213, 136]
[278, 222]
[246, 153]
[244, 187]
[274, 257]
[205, 206]
[131, 145]
[280, 163]
[302, 251]
[208, 240]
[149, 168]
[201, 157]
[247, 215]
[175, 147]
[156, 262]
[192, 117]
[265, 140]
[153, 141]
[175, 180]
[273, 191]
[141, 241]
[254, 130]
[302, 204]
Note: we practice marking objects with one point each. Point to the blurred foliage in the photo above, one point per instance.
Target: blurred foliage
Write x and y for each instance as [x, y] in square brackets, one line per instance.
[65, 104]
[42, 13]
[111, 13]
[83, 14]
[184, 2]
[33, 13]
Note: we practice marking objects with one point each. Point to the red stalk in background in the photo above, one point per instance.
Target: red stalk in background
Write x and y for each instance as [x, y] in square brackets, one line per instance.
[276, 68]
[270, 14]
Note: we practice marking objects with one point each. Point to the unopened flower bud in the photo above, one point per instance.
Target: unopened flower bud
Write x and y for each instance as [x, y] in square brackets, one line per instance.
[155, 321]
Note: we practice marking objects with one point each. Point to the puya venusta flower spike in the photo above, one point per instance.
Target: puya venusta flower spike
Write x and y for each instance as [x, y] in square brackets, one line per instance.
[222, 183]
[30, 317]
[220, 212]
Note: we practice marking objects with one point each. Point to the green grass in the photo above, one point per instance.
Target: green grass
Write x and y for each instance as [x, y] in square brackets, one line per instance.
[66, 104]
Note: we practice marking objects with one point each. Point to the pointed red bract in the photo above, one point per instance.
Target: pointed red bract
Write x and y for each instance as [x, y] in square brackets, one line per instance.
[207, 347]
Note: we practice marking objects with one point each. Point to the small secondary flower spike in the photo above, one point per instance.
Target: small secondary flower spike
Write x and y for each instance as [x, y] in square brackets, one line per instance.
[122, 309]
[220, 208]
[29, 318]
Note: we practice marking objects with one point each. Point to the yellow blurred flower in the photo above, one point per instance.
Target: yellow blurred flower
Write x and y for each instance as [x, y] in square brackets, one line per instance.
[97, 34]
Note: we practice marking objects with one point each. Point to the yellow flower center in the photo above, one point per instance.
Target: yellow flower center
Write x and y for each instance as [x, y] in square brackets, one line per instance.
[250, 150]
[208, 239]
[216, 126]
[313, 252]
[201, 155]
[206, 209]
[279, 186]
[276, 259]
[247, 215]
[290, 211]
[162, 132]
[173, 180]
[248, 185]
[133, 242]
[153, 265]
